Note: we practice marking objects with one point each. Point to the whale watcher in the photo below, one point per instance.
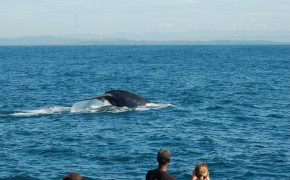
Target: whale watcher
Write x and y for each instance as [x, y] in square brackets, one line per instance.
[163, 158]
[73, 176]
[200, 172]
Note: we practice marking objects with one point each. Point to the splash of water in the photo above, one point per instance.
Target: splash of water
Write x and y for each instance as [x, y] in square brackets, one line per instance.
[91, 106]
[42, 111]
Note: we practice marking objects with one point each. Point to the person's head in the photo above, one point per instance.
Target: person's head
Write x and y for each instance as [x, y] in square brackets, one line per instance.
[163, 157]
[201, 171]
[74, 176]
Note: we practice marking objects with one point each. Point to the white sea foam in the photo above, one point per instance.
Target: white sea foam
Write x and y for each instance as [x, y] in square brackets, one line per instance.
[91, 106]
[49, 110]
[88, 106]
[97, 106]
[149, 106]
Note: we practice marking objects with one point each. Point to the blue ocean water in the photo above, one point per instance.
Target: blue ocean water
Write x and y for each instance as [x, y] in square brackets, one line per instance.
[227, 106]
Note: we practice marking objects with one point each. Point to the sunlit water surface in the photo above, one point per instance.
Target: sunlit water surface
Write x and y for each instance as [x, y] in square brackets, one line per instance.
[227, 106]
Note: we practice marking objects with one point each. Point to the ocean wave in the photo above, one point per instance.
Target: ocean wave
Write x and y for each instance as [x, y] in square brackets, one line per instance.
[42, 111]
[97, 106]
[93, 106]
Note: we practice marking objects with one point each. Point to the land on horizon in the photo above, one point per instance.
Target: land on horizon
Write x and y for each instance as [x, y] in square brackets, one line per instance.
[156, 38]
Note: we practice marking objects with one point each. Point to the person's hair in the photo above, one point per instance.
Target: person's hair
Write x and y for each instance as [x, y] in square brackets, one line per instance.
[163, 156]
[74, 176]
[201, 171]
[162, 161]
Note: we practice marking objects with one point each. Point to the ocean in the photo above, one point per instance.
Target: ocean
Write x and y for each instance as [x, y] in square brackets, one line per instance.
[227, 106]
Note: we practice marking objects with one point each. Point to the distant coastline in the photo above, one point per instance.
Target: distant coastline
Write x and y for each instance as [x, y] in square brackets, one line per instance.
[53, 40]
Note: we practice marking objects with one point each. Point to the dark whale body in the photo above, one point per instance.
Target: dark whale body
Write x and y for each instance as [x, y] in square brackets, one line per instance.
[122, 98]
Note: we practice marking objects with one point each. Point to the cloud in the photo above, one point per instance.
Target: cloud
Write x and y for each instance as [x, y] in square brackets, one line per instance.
[183, 1]
[250, 25]
[171, 1]
[191, 1]
[166, 25]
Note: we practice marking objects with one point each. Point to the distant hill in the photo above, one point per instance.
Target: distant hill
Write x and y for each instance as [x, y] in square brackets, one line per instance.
[53, 40]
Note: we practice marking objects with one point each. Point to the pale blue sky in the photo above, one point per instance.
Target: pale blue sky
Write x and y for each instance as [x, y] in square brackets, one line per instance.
[61, 17]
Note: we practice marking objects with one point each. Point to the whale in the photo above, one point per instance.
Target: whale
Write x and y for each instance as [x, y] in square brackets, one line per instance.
[121, 98]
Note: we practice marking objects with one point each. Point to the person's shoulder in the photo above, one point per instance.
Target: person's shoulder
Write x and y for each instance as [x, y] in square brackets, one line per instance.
[155, 173]
[151, 171]
[150, 174]
[169, 177]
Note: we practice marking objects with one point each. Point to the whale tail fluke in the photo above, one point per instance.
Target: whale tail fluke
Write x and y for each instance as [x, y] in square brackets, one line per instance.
[100, 97]
[121, 98]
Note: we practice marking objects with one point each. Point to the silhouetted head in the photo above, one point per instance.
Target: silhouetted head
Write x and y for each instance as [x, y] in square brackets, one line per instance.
[74, 176]
[163, 156]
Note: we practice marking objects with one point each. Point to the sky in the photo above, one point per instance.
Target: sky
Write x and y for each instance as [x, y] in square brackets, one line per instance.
[20, 18]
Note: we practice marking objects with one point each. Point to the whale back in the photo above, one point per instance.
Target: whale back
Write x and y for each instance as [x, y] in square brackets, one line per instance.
[122, 98]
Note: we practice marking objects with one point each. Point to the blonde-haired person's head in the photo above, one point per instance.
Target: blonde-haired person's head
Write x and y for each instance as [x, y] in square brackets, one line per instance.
[200, 172]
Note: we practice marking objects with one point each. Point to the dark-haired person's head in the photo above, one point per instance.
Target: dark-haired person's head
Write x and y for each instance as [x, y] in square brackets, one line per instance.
[163, 157]
[74, 176]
